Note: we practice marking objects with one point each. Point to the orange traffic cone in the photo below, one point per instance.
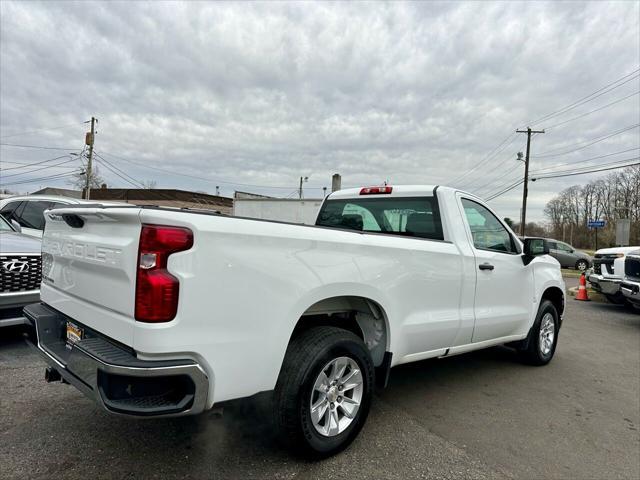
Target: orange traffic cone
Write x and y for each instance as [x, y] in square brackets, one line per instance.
[582, 290]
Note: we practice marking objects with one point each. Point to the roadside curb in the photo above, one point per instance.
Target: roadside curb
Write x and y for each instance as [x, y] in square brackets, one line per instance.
[566, 273]
[593, 295]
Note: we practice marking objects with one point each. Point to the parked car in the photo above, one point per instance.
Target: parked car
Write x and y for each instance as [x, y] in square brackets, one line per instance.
[568, 256]
[608, 272]
[630, 286]
[27, 210]
[19, 273]
[153, 311]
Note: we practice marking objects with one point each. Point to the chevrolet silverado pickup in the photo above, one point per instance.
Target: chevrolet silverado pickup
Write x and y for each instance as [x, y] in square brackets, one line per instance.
[630, 286]
[608, 272]
[162, 312]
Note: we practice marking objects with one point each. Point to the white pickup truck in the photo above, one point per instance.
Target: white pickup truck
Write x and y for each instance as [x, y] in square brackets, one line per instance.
[608, 272]
[157, 311]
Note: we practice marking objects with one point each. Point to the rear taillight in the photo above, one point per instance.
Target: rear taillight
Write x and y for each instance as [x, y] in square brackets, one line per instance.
[375, 190]
[156, 289]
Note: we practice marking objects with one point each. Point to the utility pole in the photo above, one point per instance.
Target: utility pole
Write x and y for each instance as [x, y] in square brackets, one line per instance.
[525, 192]
[89, 140]
[302, 179]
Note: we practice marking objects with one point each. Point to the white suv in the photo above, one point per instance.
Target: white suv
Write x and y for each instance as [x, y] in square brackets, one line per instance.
[28, 210]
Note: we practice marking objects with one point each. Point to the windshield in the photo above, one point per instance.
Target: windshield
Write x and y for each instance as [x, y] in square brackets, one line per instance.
[406, 216]
[4, 225]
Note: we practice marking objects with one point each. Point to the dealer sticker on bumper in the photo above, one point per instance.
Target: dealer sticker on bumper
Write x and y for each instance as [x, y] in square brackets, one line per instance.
[74, 334]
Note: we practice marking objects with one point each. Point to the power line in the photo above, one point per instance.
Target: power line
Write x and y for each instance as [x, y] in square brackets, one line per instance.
[201, 178]
[38, 169]
[602, 168]
[129, 178]
[115, 172]
[23, 165]
[592, 111]
[488, 157]
[593, 141]
[42, 130]
[612, 166]
[601, 91]
[34, 180]
[508, 172]
[586, 160]
[518, 183]
[503, 186]
[36, 146]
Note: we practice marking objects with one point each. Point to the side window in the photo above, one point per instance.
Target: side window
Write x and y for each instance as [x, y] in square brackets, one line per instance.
[565, 247]
[31, 215]
[553, 246]
[487, 231]
[8, 211]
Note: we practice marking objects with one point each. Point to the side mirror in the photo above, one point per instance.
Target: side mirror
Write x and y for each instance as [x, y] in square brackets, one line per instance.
[534, 247]
[16, 226]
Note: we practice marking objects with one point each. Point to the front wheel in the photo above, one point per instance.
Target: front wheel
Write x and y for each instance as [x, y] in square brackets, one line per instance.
[616, 299]
[324, 391]
[543, 336]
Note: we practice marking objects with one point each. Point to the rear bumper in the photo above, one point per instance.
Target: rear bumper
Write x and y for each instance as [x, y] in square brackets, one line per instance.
[111, 375]
[606, 285]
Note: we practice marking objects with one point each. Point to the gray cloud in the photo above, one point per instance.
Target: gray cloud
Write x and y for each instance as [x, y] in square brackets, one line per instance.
[262, 93]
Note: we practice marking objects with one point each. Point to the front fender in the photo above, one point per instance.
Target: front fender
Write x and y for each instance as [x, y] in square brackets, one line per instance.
[546, 275]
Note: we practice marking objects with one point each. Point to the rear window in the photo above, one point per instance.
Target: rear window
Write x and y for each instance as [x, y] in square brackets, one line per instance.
[405, 216]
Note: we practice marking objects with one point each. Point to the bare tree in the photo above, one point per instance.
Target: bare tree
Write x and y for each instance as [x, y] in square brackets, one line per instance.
[78, 179]
[611, 198]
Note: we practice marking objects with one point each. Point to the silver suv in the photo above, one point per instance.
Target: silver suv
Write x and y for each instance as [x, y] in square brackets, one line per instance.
[568, 256]
[20, 273]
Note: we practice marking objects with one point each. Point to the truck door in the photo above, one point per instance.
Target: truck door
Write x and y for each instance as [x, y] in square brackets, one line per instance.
[504, 285]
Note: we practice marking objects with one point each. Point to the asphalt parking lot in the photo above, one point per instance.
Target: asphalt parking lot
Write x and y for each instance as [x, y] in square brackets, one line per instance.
[481, 415]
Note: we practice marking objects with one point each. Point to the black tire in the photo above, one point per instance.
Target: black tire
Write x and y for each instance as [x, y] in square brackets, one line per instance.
[617, 299]
[582, 265]
[531, 352]
[306, 356]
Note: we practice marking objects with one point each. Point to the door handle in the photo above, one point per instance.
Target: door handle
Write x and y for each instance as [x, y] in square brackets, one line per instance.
[486, 266]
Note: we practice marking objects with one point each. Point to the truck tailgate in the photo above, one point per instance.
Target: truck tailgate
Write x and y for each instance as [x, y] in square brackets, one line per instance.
[89, 267]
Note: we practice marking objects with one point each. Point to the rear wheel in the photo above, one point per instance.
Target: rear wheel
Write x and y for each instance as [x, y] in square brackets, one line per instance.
[543, 336]
[582, 265]
[324, 391]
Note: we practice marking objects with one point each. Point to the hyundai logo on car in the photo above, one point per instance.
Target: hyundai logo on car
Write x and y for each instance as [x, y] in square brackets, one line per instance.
[16, 266]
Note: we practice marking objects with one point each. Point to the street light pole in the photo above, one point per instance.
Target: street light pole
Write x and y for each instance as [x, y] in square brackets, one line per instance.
[525, 192]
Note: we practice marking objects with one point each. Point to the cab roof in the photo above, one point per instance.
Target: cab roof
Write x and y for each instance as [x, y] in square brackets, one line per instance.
[396, 191]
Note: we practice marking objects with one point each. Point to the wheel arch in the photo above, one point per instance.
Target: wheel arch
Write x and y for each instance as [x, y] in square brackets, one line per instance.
[361, 315]
[556, 296]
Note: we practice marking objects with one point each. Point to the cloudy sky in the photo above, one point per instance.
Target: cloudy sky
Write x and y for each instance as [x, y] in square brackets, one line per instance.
[252, 96]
